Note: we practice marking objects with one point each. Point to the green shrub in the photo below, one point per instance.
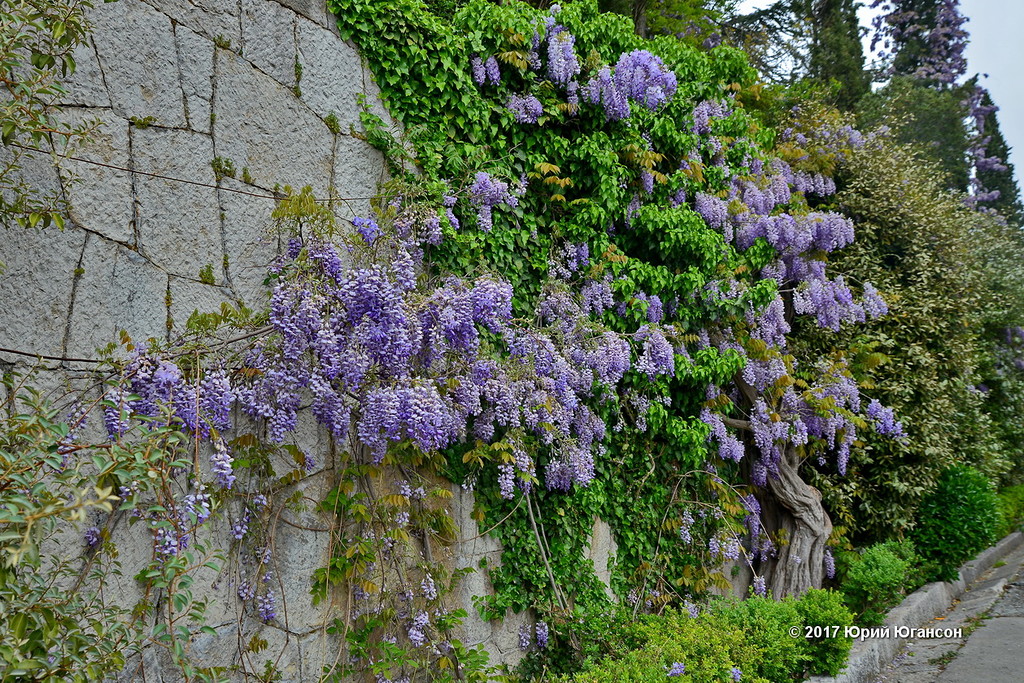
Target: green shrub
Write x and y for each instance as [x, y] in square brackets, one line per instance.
[959, 517]
[877, 580]
[1011, 510]
[754, 636]
[709, 646]
[766, 625]
[826, 654]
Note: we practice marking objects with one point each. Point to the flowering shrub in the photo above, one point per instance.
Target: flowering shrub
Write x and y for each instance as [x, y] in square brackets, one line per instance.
[58, 622]
[664, 205]
[46, 483]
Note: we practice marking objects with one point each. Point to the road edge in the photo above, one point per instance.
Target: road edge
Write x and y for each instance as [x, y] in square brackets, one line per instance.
[869, 657]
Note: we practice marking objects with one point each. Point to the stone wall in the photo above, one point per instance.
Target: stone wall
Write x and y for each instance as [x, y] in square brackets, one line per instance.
[177, 84]
[185, 90]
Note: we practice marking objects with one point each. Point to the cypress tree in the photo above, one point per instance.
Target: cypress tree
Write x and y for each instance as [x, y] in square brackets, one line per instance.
[836, 53]
[999, 176]
[926, 37]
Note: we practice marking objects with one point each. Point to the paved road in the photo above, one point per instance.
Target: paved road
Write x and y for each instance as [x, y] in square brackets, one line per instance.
[992, 649]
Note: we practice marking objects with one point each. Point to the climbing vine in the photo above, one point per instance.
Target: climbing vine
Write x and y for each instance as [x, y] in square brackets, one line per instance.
[650, 186]
[572, 299]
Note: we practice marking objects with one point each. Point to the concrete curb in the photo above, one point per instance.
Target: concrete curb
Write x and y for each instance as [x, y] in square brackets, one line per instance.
[869, 657]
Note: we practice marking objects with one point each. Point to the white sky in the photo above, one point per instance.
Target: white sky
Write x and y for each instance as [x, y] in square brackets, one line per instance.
[997, 49]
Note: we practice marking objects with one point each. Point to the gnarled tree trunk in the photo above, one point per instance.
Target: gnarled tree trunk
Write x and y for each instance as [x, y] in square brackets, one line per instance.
[794, 508]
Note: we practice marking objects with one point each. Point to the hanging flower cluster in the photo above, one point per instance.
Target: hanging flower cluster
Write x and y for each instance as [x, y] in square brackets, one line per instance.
[382, 358]
[638, 76]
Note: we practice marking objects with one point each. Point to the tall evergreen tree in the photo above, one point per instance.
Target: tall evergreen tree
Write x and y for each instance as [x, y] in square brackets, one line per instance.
[683, 18]
[836, 53]
[924, 101]
[995, 172]
[925, 38]
[933, 120]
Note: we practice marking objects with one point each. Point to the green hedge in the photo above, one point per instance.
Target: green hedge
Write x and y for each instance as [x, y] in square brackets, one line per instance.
[959, 517]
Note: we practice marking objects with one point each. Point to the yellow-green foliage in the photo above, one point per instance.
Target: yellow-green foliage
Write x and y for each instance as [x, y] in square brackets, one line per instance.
[920, 246]
[753, 636]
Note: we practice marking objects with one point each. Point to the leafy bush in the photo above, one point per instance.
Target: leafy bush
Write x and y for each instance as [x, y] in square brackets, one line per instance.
[709, 646]
[826, 655]
[1011, 510]
[765, 624]
[752, 636]
[878, 579]
[959, 517]
[55, 620]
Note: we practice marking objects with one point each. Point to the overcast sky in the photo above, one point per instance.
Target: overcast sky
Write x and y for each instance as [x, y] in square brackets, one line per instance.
[996, 49]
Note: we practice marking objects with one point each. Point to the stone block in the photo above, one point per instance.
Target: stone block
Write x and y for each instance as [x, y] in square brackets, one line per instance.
[468, 551]
[601, 549]
[211, 18]
[188, 296]
[249, 240]
[261, 125]
[100, 196]
[268, 39]
[152, 664]
[118, 289]
[218, 649]
[85, 87]
[471, 546]
[358, 171]
[283, 650]
[321, 653]
[195, 60]
[504, 643]
[35, 288]
[376, 102]
[179, 223]
[314, 10]
[135, 44]
[332, 73]
[297, 554]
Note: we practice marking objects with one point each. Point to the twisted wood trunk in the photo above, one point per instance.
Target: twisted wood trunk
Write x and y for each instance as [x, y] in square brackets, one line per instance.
[794, 508]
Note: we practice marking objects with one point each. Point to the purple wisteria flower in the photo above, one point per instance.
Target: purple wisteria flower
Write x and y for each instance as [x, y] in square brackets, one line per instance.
[418, 629]
[563, 65]
[830, 563]
[542, 634]
[479, 73]
[115, 415]
[367, 228]
[492, 70]
[643, 77]
[884, 420]
[485, 194]
[602, 90]
[525, 637]
[525, 108]
[428, 587]
[266, 607]
[220, 462]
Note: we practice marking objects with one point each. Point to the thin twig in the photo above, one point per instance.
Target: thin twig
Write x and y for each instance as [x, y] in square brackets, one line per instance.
[544, 557]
